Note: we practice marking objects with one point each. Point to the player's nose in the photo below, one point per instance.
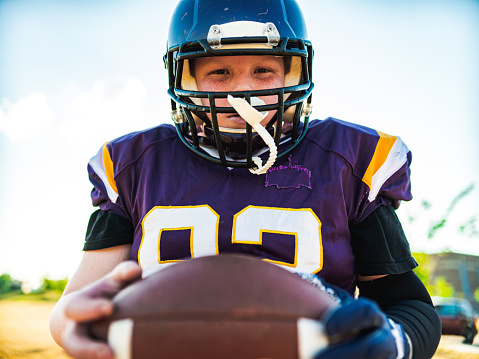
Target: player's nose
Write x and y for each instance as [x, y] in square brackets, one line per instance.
[242, 82]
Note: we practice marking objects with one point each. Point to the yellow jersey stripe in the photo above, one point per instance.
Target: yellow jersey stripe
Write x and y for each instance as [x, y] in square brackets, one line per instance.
[390, 155]
[108, 165]
[383, 148]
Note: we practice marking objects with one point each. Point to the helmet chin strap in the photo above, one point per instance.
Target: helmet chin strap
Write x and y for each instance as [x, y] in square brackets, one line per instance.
[254, 118]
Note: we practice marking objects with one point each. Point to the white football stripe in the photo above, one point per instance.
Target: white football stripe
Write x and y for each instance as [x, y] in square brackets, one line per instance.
[311, 338]
[120, 335]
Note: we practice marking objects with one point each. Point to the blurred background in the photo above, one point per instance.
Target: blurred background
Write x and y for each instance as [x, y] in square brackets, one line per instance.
[75, 74]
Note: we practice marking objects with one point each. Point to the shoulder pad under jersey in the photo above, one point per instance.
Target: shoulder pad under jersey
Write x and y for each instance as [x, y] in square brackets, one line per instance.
[374, 157]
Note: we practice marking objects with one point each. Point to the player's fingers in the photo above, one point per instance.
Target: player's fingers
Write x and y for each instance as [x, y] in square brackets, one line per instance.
[94, 301]
[80, 346]
[122, 275]
[82, 309]
[125, 273]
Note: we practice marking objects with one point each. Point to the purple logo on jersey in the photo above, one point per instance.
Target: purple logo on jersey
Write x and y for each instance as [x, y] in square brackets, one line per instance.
[290, 176]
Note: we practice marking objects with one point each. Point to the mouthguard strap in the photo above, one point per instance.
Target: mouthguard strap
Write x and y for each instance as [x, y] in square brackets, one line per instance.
[254, 118]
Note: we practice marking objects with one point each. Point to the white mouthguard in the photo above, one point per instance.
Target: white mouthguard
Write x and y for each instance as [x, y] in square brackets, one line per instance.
[254, 118]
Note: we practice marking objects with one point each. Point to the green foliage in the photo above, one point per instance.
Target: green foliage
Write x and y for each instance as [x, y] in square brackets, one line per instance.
[435, 228]
[468, 228]
[442, 287]
[8, 284]
[53, 285]
[50, 290]
[424, 269]
[439, 286]
[5, 283]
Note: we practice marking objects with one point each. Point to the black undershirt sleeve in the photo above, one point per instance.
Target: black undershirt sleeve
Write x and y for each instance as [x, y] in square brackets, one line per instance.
[380, 245]
[107, 229]
[405, 300]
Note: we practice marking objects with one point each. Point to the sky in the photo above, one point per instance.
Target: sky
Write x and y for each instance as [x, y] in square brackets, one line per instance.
[75, 74]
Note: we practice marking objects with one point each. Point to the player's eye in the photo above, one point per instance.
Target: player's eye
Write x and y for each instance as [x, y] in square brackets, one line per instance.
[219, 72]
[262, 70]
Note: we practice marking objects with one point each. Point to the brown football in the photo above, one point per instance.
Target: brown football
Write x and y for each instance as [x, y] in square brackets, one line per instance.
[226, 306]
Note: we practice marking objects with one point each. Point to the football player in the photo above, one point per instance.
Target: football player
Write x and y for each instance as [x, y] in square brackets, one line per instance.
[244, 170]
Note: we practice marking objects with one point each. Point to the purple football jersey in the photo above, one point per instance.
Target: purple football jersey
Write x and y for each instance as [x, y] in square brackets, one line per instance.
[297, 215]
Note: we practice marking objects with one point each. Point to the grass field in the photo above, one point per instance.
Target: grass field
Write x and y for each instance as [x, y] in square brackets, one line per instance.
[24, 334]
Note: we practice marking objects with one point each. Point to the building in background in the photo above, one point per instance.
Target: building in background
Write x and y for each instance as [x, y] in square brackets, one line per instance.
[461, 271]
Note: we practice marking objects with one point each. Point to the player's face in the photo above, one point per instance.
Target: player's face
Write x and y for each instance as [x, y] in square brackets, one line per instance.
[239, 73]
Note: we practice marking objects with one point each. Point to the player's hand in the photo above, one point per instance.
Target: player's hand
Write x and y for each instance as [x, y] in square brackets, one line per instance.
[91, 303]
[359, 329]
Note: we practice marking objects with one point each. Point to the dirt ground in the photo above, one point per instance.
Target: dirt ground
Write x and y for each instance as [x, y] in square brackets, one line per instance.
[451, 347]
[24, 331]
[24, 334]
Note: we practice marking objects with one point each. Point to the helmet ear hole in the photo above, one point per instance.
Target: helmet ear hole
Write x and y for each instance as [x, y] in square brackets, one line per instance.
[200, 119]
[288, 115]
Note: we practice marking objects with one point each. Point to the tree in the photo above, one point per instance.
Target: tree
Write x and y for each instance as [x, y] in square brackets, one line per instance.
[9, 284]
[442, 287]
[423, 271]
[5, 283]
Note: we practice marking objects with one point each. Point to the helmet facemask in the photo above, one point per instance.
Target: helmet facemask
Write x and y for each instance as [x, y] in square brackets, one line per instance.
[197, 123]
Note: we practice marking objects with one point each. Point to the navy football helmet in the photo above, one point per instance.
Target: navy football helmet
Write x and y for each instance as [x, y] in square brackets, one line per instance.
[201, 28]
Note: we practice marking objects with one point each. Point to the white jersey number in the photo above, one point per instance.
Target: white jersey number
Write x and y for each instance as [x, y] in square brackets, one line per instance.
[248, 227]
